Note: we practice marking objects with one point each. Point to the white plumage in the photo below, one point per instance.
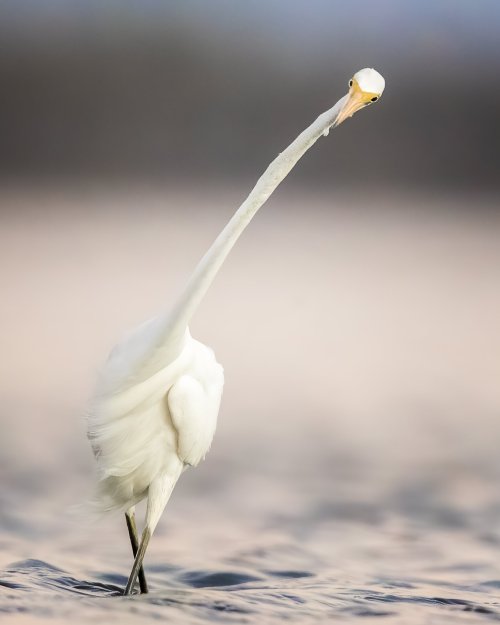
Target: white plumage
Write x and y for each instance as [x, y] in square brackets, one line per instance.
[370, 81]
[155, 409]
[147, 422]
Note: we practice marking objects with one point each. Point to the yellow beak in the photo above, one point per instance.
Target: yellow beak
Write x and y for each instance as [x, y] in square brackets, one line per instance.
[356, 100]
[353, 104]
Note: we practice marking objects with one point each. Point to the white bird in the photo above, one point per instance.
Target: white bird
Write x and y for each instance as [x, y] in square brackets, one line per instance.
[155, 410]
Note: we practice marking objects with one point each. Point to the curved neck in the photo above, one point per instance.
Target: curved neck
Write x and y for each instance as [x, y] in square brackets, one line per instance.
[208, 267]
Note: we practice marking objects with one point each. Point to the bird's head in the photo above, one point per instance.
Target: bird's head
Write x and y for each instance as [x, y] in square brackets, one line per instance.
[365, 87]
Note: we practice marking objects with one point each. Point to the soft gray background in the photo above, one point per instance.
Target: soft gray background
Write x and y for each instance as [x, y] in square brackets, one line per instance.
[211, 90]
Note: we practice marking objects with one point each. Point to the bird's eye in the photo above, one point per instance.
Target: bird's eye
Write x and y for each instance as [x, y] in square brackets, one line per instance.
[350, 83]
[374, 99]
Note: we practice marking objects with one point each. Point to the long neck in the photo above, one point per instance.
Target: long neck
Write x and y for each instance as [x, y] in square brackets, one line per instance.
[211, 262]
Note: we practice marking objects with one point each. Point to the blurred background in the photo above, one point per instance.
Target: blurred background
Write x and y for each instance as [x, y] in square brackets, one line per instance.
[357, 319]
[164, 91]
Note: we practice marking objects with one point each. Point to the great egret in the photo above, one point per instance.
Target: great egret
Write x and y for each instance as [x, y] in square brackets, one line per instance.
[155, 411]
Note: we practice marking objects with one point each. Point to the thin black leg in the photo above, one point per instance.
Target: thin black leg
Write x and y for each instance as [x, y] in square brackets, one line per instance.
[146, 535]
[134, 541]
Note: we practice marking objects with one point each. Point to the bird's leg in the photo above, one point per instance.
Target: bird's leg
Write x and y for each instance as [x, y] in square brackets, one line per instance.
[159, 493]
[146, 535]
[134, 541]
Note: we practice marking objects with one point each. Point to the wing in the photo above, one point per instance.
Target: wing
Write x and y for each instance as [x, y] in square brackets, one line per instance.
[193, 409]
